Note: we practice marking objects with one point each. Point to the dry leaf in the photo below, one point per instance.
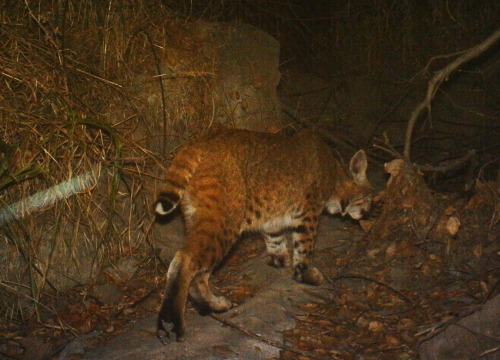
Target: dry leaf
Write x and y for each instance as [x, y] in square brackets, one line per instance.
[450, 210]
[393, 167]
[426, 270]
[362, 322]
[484, 286]
[110, 329]
[128, 311]
[320, 351]
[309, 306]
[375, 326]
[325, 323]
[372, 292]
[366, 225]
[391, 340]
[372, 253]
[405, 323]
[391, 249]
[379, 196]
[435, 258]
[452, 225]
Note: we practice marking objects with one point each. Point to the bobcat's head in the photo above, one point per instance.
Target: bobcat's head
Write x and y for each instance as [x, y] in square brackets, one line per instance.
[353, 193]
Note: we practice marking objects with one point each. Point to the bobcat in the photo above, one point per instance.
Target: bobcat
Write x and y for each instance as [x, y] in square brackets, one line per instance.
[237, 181]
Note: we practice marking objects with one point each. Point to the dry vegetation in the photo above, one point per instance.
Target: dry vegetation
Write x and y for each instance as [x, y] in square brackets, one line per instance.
[71, 121]
[72, 124]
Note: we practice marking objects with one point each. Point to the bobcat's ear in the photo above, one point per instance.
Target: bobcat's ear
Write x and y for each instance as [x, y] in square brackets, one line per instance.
[358, 166]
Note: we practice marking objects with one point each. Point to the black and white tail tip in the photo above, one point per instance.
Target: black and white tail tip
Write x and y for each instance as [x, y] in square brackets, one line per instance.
[166, 203]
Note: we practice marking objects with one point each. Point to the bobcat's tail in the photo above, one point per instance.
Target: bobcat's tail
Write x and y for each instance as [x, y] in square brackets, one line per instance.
[178, 175]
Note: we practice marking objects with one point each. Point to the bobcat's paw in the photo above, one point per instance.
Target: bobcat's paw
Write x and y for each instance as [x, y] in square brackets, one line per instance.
[311, 276]
[169, 321]
[279, 261]
[221, 304]
[216, 304]
[165, 327]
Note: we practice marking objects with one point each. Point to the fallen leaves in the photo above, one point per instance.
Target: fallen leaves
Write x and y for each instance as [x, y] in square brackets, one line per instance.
[82, 316]
[369, 315]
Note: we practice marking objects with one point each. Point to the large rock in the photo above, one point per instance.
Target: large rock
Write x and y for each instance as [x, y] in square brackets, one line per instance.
[473, 337]
[249, 76]
[219, 74]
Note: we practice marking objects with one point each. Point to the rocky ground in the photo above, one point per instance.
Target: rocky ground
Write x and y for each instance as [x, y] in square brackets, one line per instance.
[268, 304]
[372, 307]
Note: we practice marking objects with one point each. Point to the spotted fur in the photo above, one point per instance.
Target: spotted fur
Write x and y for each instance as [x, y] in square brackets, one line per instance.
[238, 181]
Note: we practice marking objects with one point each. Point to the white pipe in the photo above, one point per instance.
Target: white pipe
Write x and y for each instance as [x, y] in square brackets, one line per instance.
[49, 197]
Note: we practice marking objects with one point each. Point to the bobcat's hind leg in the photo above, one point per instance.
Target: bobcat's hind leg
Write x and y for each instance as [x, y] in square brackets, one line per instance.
[204, 298]
[277, 249]
[180, 274]
[303, 237]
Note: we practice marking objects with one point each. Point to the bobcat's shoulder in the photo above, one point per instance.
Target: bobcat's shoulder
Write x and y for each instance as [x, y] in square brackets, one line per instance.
[236, 181]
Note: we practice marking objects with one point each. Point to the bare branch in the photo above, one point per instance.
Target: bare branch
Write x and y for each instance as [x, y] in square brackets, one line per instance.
[440, 77]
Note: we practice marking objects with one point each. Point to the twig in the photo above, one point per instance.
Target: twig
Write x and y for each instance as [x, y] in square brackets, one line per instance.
[163, 93]
[432, 59]
[389, 110]
[440, 77]
[57, 48]
[352, 276]
[260, 338]
[387, 147]
[489, 351]
[106, 81]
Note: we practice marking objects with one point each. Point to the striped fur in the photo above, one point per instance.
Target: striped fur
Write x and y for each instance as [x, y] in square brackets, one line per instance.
[237, 181]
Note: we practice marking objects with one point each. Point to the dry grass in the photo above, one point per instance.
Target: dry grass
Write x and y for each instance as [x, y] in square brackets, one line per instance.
[77, 156]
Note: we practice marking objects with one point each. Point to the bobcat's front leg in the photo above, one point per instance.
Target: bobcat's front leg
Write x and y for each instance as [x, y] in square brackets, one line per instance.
[277, 249]
[180, 274]
[303, 237]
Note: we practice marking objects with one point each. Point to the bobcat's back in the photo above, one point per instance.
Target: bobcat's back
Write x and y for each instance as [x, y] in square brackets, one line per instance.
[269, 169]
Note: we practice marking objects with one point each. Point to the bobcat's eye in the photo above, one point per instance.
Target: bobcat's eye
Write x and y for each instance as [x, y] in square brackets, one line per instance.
[359, 206]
